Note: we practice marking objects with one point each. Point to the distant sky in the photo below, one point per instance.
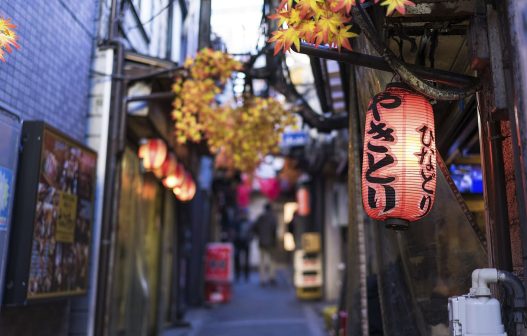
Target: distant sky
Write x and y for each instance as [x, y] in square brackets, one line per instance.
[238, 23]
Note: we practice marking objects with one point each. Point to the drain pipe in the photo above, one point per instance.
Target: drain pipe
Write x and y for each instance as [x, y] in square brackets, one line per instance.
[478, 313]
[519, 303]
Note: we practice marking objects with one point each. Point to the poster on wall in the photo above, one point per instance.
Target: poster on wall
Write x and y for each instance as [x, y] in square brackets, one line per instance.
[10, 128]
[53, 230]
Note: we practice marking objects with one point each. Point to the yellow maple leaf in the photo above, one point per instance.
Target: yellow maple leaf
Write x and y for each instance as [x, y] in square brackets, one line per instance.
[307, 7]
[8, 37]
[325, 26]
[294, 17]
[338, 19]
[398, 5]
[341, 39]
[307, 30]
[284, 38]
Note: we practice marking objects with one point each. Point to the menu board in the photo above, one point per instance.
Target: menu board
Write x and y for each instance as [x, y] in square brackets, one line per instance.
[53, 213]
[64, 211]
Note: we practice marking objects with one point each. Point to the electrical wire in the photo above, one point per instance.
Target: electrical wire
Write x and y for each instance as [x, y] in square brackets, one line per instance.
[153, 17]
[77, 20]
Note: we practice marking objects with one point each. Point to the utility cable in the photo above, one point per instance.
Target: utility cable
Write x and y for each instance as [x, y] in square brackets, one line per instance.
[153, 17]
[76, 19]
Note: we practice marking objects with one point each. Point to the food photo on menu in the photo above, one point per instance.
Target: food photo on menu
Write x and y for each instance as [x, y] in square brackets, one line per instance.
[64, 212]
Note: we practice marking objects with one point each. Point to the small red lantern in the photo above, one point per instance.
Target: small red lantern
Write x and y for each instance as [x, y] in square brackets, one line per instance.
[153, 152]
[302, 198]
[174, 177]
[399, 163]
[186, 191]
[168, 166]
[191, 190]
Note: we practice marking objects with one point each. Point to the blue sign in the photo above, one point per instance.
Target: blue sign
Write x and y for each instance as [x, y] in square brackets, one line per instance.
[290, 139]
[6, 188]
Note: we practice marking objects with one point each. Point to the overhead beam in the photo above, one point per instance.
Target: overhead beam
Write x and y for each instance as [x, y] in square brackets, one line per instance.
[378, 63]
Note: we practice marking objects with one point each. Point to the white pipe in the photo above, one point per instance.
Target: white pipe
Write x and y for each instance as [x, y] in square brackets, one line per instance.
[485, 276]
[475, 275]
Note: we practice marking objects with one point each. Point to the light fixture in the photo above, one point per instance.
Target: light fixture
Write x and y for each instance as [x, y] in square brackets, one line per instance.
[175, 176]
[153, 153]
[399, 162]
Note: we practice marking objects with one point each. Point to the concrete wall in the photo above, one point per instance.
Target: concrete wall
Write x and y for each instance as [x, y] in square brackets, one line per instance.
[47, 79]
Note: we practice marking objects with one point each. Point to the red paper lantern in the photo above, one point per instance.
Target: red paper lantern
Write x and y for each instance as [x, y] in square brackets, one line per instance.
[302, 198]
[399, 163]
[153, 152]
[175, 177]
[186, 191]
[167, 167]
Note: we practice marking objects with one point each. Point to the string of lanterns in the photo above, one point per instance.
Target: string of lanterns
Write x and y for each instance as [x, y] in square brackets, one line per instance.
[156, 158]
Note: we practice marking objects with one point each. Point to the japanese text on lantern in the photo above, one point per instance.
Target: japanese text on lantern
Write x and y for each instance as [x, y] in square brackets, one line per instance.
[379, 152]
[426, 157]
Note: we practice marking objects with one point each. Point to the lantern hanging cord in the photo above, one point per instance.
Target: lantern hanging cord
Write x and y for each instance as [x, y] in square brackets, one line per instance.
[364, 22]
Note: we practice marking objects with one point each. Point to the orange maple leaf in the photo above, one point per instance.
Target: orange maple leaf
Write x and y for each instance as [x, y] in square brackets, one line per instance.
[284, 39]
[281, 15]
[8, 37]
[399, 5]
[347, 4]
[341, 39]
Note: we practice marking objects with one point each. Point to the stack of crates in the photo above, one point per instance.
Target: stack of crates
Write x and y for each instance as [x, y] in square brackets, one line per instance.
[308, 268]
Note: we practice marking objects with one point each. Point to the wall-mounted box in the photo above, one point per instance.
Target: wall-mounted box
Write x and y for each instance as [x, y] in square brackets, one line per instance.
[52, 217]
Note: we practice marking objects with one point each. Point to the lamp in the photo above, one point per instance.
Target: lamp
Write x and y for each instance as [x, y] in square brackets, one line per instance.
[399, 162]
[153, 152]
[175, 177]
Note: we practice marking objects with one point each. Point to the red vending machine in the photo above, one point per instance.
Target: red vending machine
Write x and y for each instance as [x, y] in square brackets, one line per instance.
[219, 272]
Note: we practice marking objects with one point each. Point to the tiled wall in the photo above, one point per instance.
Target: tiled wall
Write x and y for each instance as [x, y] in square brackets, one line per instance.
[47, 79]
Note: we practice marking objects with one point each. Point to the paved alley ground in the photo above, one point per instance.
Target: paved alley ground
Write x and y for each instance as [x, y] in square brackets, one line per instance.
[257, 311]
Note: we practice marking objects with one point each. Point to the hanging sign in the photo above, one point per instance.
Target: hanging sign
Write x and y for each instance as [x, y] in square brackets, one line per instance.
[399, 162]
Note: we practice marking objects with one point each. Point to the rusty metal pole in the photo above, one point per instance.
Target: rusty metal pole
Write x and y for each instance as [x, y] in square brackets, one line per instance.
[356, 301]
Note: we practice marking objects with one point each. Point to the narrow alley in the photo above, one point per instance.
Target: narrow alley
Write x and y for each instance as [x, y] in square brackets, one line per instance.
[263, 168]
[257, 311]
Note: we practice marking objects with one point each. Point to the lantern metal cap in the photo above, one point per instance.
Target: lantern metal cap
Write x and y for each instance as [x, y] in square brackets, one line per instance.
[397, 224]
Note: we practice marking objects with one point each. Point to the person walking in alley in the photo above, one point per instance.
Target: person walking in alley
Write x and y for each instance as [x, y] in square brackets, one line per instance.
[265, 229]
[242, 240]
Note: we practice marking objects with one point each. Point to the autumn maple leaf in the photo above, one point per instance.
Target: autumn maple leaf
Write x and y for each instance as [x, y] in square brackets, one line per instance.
[347, 4]
[307, 30]
[399, 5]
[282, 16]
[8, 37]
[325, 26]
[289, 4]
[285, 38]
[309, 6]
[341, 39]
